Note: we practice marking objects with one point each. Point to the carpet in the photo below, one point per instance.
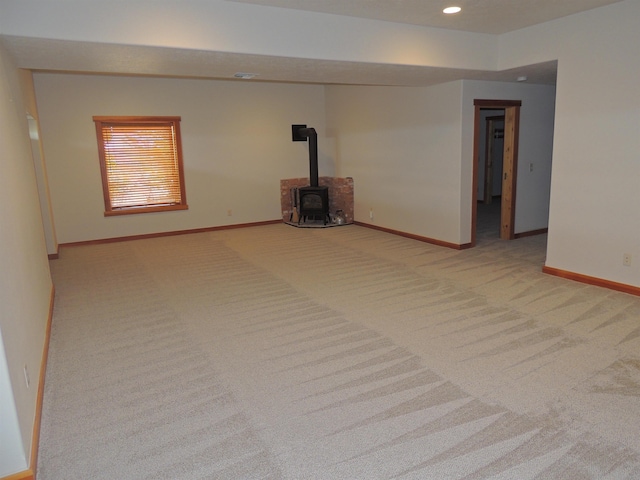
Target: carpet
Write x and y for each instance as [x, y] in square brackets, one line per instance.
[274, 352]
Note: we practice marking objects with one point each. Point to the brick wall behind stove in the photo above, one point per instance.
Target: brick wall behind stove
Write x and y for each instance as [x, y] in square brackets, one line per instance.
[340, 195]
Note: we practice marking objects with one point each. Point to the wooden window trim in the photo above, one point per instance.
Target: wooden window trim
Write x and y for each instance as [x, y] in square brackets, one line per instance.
[100, 122]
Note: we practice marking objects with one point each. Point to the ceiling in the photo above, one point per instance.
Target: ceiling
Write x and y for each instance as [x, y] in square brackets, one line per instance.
[481, 16]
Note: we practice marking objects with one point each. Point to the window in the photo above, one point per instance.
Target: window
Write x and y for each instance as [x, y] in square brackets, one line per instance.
[141, 164]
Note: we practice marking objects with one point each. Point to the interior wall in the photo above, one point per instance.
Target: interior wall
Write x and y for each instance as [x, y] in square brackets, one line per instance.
[402, 147]
[594, 190]
[29, 97]
[410, 151]
[25, 282]
[236, 141]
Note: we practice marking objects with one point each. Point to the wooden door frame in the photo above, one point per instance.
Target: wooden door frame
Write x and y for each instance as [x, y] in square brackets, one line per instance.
[510, 164]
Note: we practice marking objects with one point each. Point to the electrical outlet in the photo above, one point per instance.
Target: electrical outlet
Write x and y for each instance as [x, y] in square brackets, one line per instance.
[27, 380]
[371, 213]
[531, 167]
[229, 213]
[626, 259]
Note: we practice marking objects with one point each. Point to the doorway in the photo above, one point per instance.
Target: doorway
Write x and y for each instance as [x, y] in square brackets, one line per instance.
[510, 136]
[490, 171]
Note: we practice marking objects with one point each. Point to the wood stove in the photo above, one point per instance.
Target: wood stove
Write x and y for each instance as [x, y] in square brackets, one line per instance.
[314, 199]
[314, 204]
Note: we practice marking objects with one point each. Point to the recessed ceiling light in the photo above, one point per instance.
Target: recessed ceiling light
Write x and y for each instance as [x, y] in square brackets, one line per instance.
[451, 10]
[245, 76]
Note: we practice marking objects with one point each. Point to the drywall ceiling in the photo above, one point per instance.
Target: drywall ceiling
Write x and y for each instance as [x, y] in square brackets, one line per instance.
[56, 55]
[480, 16]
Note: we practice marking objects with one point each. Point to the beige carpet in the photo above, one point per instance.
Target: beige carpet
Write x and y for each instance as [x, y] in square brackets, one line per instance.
[344, 353]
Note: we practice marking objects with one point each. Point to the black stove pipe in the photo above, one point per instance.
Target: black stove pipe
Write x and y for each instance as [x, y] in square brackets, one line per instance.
[311, 134]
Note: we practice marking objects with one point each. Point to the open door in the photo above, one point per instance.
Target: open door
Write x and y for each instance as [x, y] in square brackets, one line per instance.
[509, 169]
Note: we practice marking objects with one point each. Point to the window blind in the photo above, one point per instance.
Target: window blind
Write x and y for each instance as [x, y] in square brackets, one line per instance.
[141, 164]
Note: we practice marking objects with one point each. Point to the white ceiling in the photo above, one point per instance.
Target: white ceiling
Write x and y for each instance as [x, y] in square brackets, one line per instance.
[480, 16]
[486, 16]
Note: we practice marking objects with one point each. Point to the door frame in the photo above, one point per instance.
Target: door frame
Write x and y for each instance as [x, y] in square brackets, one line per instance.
[510, 164]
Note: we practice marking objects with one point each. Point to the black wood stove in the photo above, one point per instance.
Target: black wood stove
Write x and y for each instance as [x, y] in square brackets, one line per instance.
[313, 199]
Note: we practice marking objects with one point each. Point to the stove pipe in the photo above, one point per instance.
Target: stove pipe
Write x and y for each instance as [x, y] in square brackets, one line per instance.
[311, 134]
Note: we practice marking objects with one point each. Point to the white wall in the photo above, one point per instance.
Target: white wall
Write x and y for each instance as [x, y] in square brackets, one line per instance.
[42, 181]
[410, 152]
[43, 186]
[595, 190]
[12, 454]
[236, 140]
[402, 147]
[25, 283]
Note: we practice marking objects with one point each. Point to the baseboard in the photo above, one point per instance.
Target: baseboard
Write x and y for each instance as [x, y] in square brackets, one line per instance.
[26, 475]
[598, 282]
[168, 234]
[432, 241]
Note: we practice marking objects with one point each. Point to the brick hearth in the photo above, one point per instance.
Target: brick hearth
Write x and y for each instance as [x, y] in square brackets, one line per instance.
[340, 195]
